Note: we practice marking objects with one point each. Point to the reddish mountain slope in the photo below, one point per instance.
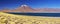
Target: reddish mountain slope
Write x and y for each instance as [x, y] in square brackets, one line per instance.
[25, 8]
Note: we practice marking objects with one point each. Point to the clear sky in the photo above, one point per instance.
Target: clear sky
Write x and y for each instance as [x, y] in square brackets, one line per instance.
[32, 3]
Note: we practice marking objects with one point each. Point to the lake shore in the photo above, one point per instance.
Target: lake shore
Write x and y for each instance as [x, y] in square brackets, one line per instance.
[6, 18]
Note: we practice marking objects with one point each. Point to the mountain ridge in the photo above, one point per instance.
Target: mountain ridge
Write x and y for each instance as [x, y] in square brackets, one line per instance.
[26, 8]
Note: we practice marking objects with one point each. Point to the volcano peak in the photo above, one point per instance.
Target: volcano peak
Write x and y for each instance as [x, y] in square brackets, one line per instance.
[24, 5]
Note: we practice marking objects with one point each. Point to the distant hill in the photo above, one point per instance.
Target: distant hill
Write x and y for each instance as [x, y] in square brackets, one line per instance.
[26, 8]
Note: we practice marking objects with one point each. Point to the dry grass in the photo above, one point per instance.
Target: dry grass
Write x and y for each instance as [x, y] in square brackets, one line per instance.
[22, 19]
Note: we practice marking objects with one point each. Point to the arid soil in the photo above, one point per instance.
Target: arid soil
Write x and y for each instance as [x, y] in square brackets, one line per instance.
[6, 18]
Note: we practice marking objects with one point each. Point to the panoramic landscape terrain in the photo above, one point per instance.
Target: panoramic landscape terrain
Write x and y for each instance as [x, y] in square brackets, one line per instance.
[7, 18]
[29, 11]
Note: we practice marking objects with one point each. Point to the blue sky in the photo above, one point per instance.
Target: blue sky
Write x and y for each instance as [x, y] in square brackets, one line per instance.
[32, 3]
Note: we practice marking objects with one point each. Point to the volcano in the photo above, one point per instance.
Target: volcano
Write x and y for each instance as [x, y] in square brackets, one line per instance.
[26, 8]
[22, 8]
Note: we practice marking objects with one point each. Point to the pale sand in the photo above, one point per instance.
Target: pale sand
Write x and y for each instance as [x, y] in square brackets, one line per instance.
[6, 18]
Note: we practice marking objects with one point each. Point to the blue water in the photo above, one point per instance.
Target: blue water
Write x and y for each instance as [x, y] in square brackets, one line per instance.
[40, 14]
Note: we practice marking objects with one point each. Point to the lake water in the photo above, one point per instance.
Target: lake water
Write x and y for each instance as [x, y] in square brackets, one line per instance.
[40, 14]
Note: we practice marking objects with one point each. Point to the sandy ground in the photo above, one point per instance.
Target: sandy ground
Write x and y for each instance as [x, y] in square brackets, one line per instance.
[6, 18]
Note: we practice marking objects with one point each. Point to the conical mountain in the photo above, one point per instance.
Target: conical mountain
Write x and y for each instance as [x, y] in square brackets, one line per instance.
[24, 8]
